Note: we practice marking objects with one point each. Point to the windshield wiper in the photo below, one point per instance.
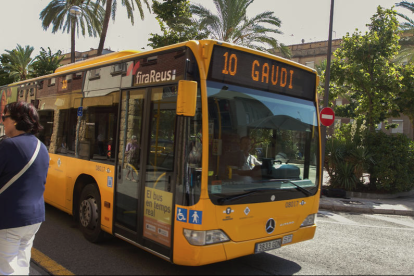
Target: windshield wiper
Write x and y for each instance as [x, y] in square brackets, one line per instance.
[303, 190]
[255, 191]
[238, 196]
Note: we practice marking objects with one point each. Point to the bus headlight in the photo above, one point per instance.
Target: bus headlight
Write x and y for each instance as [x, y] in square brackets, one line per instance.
[309, 220]
[205, 237]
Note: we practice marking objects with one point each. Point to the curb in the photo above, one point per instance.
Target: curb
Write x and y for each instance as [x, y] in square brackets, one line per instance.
[379, 196]
[364, 209]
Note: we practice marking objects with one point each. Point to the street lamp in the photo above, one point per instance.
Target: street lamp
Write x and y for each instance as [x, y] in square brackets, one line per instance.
[75, 11]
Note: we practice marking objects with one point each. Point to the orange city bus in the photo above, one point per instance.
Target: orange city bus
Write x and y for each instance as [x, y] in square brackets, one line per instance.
[197, 152]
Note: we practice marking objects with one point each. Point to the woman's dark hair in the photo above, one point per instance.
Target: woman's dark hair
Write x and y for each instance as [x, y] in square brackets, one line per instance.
[25, 115]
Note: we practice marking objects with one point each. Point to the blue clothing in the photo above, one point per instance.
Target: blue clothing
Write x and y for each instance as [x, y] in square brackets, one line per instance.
[22, 203]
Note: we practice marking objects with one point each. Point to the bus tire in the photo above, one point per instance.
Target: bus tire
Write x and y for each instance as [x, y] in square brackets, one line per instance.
[90, 214]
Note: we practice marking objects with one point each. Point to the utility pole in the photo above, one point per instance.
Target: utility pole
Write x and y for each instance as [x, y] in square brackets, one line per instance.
[327, 78]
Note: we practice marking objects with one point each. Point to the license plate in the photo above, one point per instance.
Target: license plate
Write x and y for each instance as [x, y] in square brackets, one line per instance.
[266, 246]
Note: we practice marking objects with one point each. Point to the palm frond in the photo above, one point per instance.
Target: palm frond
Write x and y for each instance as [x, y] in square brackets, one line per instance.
[230, 23]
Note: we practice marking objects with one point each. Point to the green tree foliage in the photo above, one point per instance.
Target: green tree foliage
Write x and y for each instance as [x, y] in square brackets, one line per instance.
[406, 99]
[111, 6]
[176, 23]
[407, 40]
[19, 62]
[347, 158]
[377, 88]
[394, 160]
[321, 68]
[4, 74]
[362, 69]
[231, 24]
[46, 62]
[387, 159]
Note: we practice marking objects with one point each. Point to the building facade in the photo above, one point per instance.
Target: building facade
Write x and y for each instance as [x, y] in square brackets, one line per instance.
[83, 55]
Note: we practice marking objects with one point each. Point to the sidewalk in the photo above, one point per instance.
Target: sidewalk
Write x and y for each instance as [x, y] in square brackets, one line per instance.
[398, 204]
[403, 206]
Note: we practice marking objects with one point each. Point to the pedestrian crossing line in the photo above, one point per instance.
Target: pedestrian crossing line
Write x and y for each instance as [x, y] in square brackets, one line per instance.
[48, 264]
[393, 220]
[338, 218]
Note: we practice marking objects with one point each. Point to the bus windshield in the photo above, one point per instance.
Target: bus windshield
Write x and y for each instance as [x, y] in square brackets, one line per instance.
[262, 146]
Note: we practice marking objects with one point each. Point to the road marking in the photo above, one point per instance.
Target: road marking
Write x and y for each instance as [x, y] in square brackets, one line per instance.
[336, 217]
[48, 264]
[393, 220]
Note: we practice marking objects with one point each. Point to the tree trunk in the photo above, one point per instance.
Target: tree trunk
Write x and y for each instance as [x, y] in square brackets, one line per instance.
[105, 26]
[72, 40]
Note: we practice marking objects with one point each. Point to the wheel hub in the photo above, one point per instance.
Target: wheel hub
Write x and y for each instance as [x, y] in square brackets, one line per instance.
[88, 213]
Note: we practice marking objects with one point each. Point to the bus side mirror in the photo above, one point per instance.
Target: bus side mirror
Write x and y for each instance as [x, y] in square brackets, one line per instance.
[187, 98]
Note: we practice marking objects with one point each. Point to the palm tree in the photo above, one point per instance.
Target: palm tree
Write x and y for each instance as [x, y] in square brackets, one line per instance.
[4, 73]
[57, 14]
[231, 24]
[111, 8]
[19, 65]
[407, 41]
[46, 62]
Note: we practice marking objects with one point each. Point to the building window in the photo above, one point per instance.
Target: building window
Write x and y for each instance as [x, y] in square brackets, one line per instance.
[399, 128]
[52, 81]
[77, 76]
[338, 102]
[94, 74]
[40, 85]
[149, 61]
[118, 68]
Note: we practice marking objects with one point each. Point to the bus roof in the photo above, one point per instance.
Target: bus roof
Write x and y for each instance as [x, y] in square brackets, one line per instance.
[94, 60]
[131, 54]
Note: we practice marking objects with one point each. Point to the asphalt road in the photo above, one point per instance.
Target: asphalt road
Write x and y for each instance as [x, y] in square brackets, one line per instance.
[344, 244]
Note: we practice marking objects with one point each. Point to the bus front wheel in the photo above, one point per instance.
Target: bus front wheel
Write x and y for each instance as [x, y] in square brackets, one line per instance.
[90, 214]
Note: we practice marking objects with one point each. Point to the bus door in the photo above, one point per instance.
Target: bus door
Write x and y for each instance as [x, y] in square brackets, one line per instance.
[144, 190]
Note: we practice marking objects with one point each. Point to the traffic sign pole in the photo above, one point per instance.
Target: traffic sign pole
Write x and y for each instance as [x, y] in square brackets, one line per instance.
[327, 78]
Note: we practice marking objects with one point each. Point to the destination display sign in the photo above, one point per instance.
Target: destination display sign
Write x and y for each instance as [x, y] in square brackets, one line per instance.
[242, 68]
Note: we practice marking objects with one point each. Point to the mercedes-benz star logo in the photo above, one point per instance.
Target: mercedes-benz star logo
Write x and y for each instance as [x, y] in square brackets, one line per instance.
[270, 226]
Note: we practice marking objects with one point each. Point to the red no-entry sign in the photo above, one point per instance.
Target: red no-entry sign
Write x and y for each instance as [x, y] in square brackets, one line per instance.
[327, 116]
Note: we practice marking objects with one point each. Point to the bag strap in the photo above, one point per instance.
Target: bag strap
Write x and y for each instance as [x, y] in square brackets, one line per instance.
[11, 181]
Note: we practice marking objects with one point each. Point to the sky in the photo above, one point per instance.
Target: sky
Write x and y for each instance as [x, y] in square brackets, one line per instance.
[301, 19]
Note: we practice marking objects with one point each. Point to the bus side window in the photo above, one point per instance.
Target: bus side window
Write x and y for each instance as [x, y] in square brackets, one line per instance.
[65, 132]
[97, 134]
[46, 120]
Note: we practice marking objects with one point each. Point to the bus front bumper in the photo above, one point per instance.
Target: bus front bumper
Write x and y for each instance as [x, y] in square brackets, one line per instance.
[190, 255]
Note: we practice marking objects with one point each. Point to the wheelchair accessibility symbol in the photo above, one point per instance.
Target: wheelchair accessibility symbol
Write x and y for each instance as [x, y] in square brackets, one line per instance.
[182, 214]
